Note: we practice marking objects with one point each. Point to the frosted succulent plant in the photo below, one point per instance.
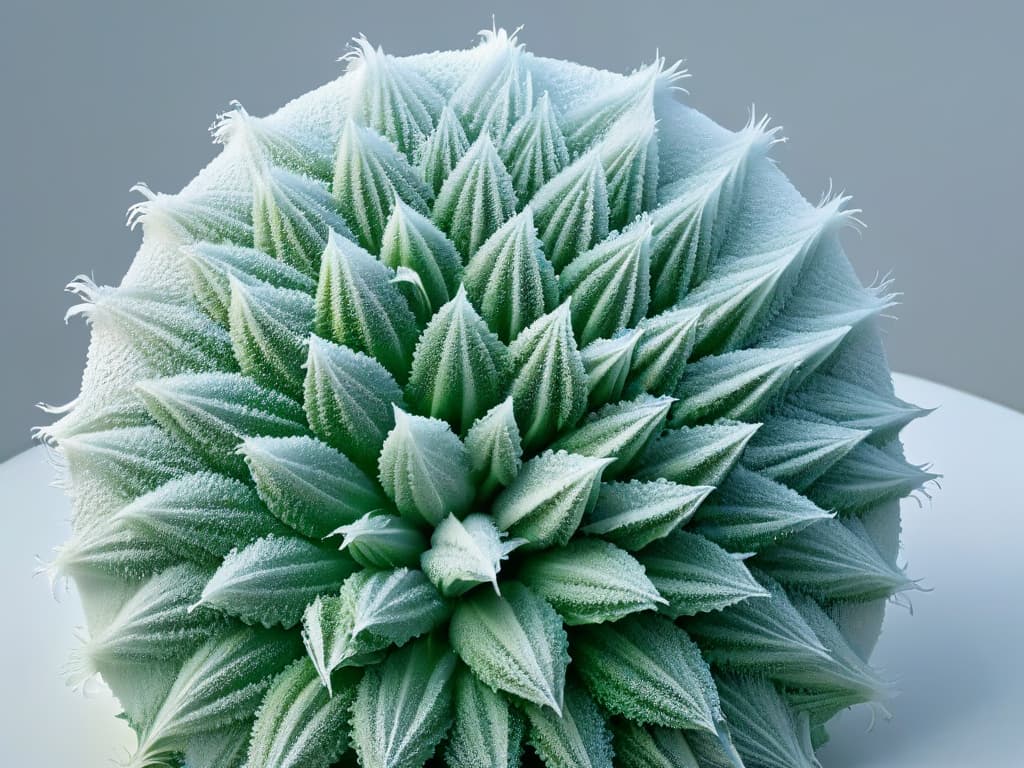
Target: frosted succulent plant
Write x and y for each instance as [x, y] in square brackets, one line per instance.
[479, 409]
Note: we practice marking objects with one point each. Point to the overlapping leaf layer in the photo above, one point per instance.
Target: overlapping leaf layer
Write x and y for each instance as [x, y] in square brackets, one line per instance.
[477, 427]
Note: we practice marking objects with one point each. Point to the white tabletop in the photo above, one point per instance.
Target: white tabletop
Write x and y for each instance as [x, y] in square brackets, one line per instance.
[958, 661]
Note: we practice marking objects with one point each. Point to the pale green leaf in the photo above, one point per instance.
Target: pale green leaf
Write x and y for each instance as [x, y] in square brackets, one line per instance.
[487, 732]
[513, 643]
[534, 150]
[636, 513]
[413, 241]
[464, 553]
[590, 581]
[629, 156]
[424, 469]
[495, 448]
[662, 352]
[608, 363]
[638, 746]
[866, 477]
[578, 737]
[498, 89]
[549, 497]
[797, 452]
[327, 625]
[192, 215]
[294, 147]
[393, 606]
[696, 455]
[571, 210]
[404, 706]
[379, 540]
[443, 149]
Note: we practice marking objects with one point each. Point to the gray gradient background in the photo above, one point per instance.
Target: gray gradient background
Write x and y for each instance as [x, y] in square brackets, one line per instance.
[915, 108]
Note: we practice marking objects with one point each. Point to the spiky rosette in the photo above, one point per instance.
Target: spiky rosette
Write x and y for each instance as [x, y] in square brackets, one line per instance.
[476, 401]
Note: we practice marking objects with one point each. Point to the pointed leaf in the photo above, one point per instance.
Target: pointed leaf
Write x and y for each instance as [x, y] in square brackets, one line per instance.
[647, 670]
[577, 738]
[513, 643]
[465, 553]
[620, 431]
[424, 469]
[495, 448]
[590, 581]
[443, 150]
[498, 89]
[359, 307]
[369, 172]
[865, 477]
[412, 240]
[609, 284]
[293, 147]
[571, 210]
[550, 385]
[349, 400]
[378, 540]
[608, 363]
[662, 352]
[308, 485]
[460, 368]
[510, 279]
[212, 413]
[797, 452]
[549, 497]
[201, 516]
[750, 511]
[534, 150]
[696, 455]
[637, 746]
[394, 606]
[487, 732]
[299, 724]
[273, 579]
[327, 625]
[634, 514]
[629, 156]
[696, 575]
[216, 216]
[476, 198]
[404, 706]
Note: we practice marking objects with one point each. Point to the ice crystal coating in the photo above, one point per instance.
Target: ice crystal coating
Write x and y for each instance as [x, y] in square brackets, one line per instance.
[479, 409]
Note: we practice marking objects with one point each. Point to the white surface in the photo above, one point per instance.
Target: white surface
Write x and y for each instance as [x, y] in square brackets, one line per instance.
[957, 660]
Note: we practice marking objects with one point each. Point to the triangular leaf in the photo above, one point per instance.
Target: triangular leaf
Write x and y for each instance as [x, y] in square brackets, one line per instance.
[498, 89]
[661, 354]
[634, 514]
[534, 150]
[424, 469]
[629, 156]
[637, 746]
[394, 606]
[696, 455]
[327, 625]
[797, 452]
[576, 738]
[293, 147]
[867, 476]
[412, 240]
[495, 448]
[608, 363]
[464, 553]
[443, 149]
[378, 540]
[514, 643]
[571, 210]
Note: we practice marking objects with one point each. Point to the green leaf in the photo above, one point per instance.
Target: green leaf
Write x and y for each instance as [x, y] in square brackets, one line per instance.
[460, 368]
[222, 683]
[608, 363]
[308, 485]
[404, 706]
[830, 561]
[743, 384]
[498, 89]
[590, 582]
[293, 147]
[273, 579]
[222, 749]
[349, 400]
[293, 217]
[464, 553]
[550, 385]
[378, 540]
[634, 514]
[391, 96]
[620, 431]
[443, 149]
[766, 731]
[513, 643]
[299, 724]
[696, 455]
[629, 156]
[216, 215]
[549, 497]
[154, 623]
[169, 337]
[750, 511]
[359, 307]
[476, 198]
[571, 210]
[797, 452]
[210, 265]
[212, 413]
[425, 470]
[327, 625]
[866, 477]
[662, 352]
[268, 328]
[637, 746]
[102, 550]
[609, 284]
[487, 732]
[369, 172]
[412, 240]
[495, 448]
[696, 575]
[576, 738]
[510, 279]
[647, 670]
[393, 606]
[201, 516]
[534, 150]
